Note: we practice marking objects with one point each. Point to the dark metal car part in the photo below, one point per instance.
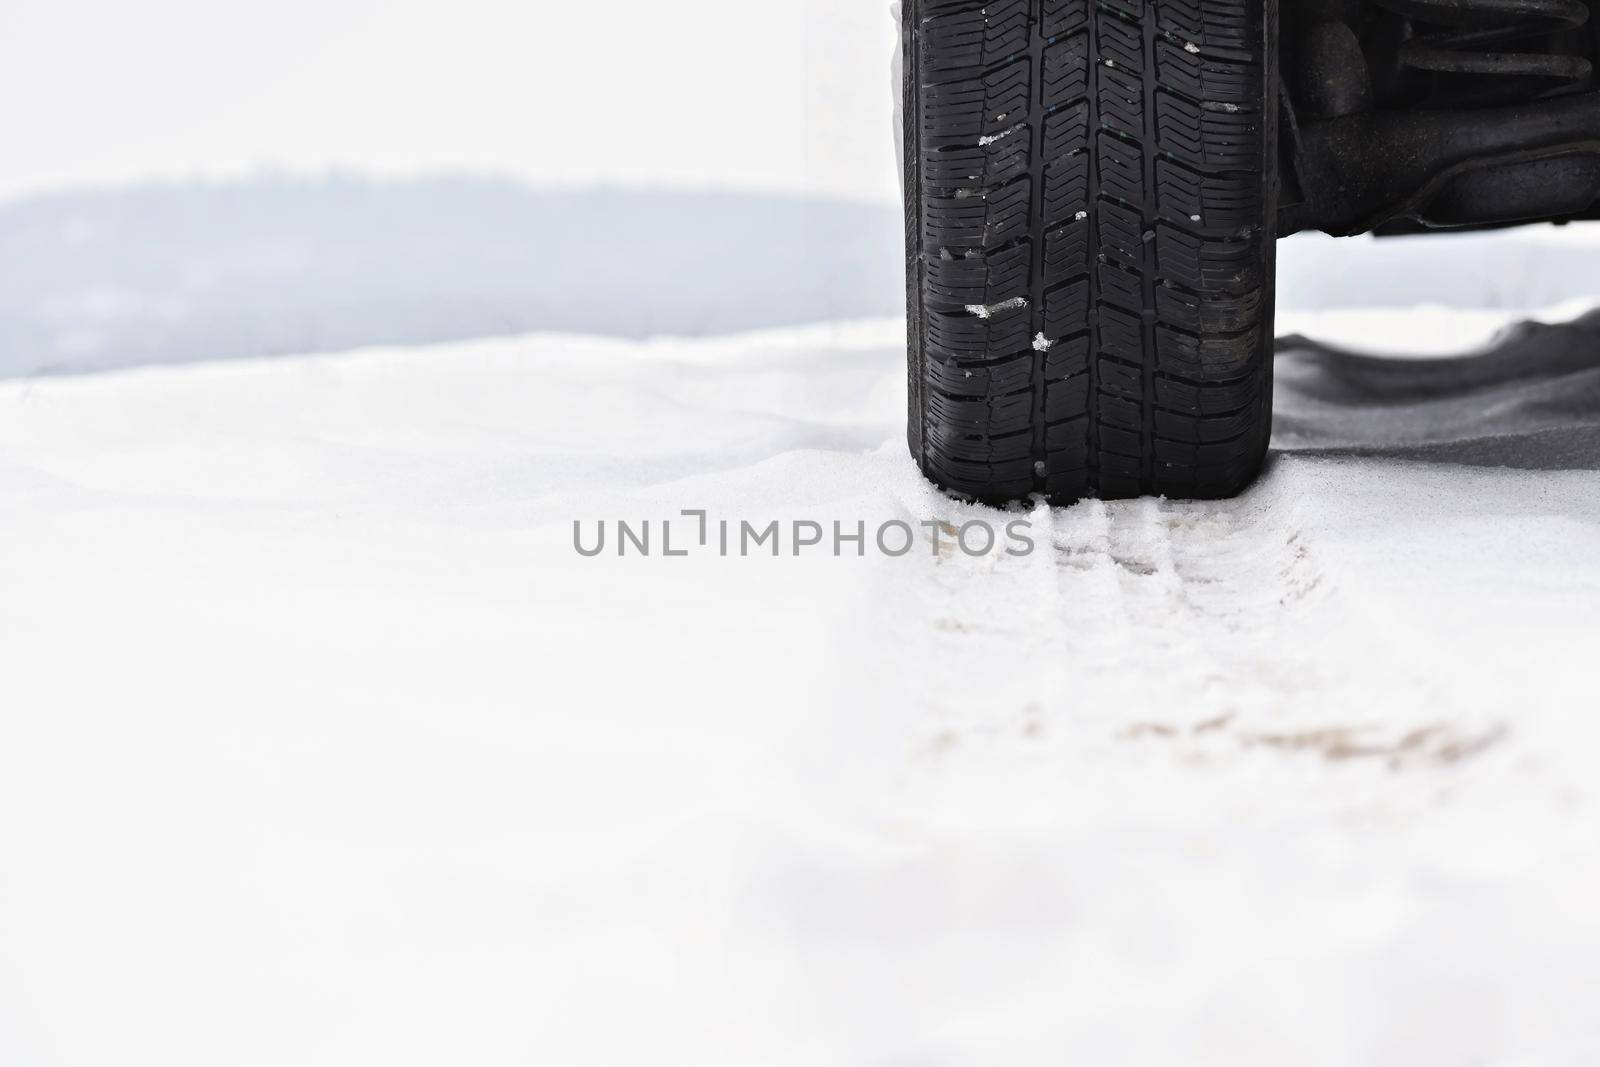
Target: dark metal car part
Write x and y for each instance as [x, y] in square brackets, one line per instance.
[1409, 115]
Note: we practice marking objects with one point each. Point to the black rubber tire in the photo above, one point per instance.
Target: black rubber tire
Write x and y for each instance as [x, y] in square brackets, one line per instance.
[1090, 191]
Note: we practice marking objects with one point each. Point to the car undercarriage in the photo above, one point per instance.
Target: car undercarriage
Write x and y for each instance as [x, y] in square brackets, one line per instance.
[1408, 115]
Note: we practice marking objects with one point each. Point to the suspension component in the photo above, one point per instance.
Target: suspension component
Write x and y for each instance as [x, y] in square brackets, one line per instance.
[1436, 114]
[1364, 172]
[1476, 30]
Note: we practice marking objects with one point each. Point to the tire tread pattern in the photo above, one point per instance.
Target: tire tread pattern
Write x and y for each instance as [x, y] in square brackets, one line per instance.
[1090, 255]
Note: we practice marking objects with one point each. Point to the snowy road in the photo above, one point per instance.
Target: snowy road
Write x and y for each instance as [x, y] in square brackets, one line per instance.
[325, 746]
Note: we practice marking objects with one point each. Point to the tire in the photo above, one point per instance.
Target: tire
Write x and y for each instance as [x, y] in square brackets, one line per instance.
[1091, 191]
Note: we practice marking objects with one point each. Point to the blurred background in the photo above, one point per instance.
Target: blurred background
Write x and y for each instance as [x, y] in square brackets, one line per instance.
[719, 92]
[187, 180]
[190, 180]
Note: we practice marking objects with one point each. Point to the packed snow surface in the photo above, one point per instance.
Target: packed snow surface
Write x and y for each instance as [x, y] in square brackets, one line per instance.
[324, 745]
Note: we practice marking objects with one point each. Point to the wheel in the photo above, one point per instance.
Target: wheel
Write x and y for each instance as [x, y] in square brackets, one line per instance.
[1091, 195]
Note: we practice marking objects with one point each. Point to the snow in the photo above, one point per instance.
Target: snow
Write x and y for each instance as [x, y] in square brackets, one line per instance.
[986, 141]
[988, 311]
[325, 745]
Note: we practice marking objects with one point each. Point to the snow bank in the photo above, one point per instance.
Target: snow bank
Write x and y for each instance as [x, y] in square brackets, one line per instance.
[325, 746]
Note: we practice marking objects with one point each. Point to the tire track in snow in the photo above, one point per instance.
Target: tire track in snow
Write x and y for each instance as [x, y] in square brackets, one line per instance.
[1213, 626]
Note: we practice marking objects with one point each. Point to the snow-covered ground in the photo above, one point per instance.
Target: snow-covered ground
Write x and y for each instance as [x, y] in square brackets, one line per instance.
[324, 744]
